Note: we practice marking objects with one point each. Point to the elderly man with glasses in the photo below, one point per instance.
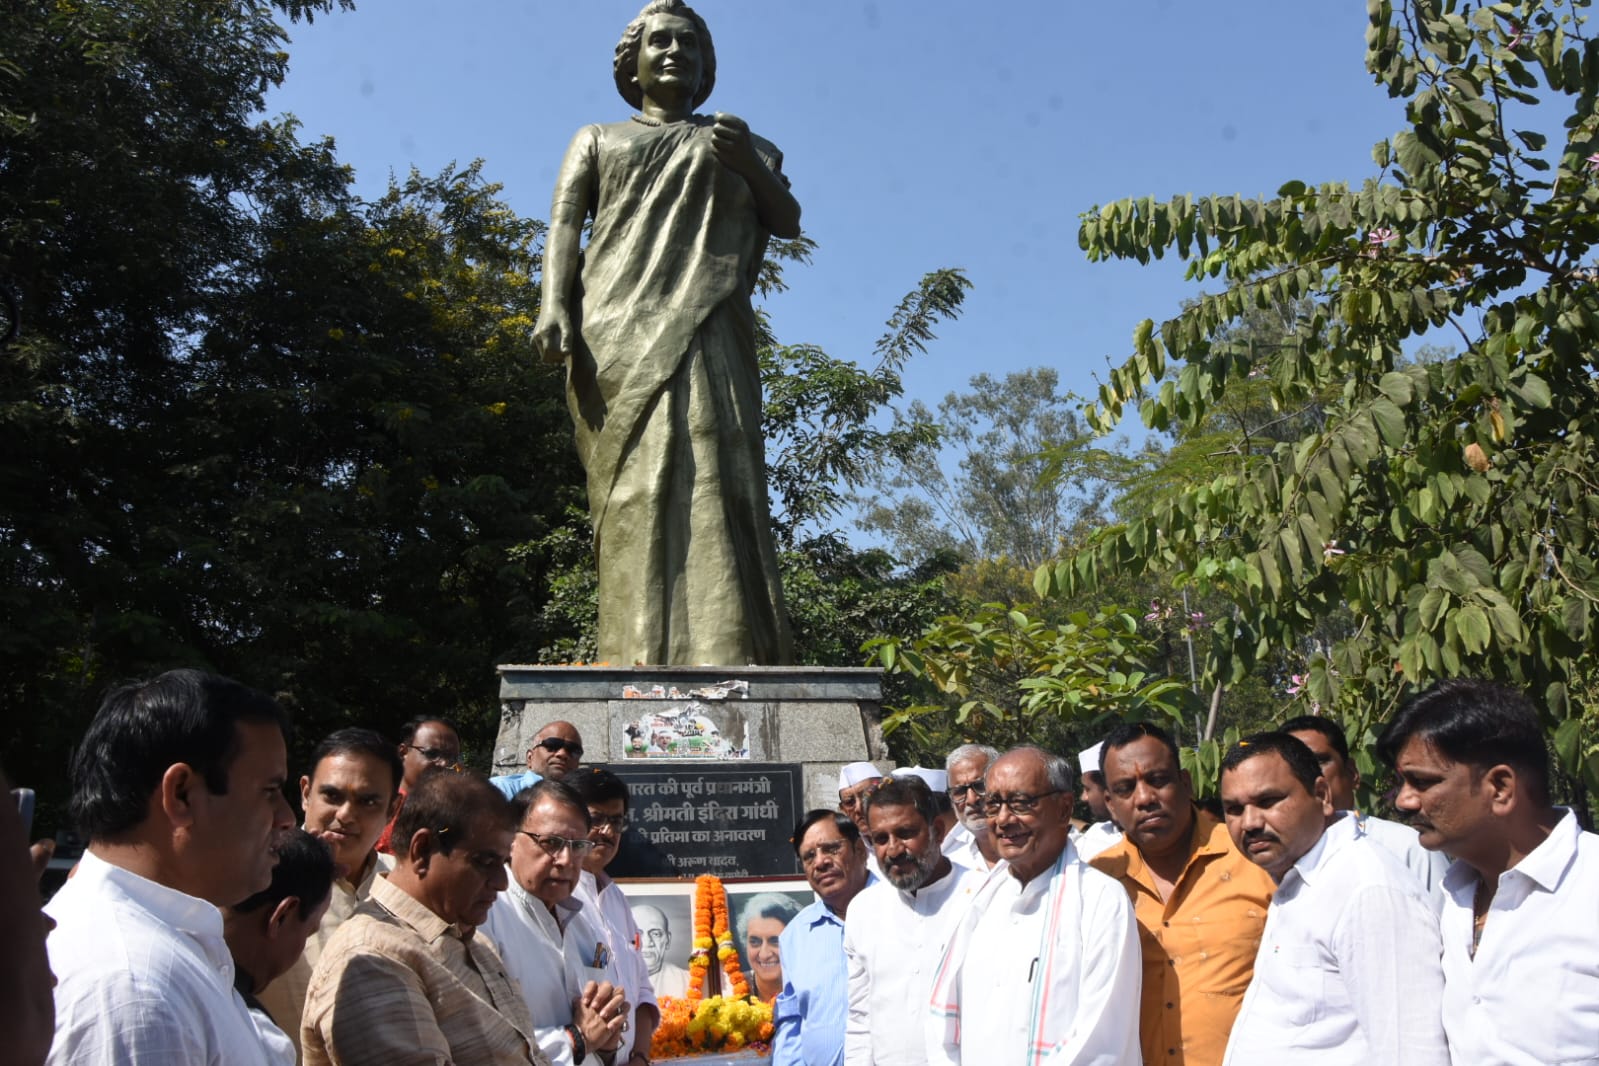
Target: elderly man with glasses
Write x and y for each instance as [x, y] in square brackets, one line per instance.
[551, 943]
[971, 842]
[809, 1014]
[1045, 965]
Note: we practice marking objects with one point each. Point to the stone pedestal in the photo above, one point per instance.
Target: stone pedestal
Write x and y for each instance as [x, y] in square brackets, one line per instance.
[817, 717]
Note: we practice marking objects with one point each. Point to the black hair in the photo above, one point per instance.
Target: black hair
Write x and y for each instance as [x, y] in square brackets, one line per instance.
[408, 730]
[902, 792]
[144, 728]
[304, 871]
[549, 788]
[1126, 733]
[1479, 723]
[448, 803]
[596, 784]
[1315, 723]
[1097, 777]
[846, 828]
[356, 741]
[1300, 759]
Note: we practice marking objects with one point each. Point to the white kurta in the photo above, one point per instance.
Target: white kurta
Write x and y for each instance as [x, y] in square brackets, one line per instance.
[961, 847]
[1097, 838]
[893, 942]
[1089, 997]
[1404, 843]
[1531, 995]
[552, 961]
[143, 976]
[1348, 970]
[622, 933]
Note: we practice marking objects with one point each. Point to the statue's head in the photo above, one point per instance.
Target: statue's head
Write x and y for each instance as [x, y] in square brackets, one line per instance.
[627, 52]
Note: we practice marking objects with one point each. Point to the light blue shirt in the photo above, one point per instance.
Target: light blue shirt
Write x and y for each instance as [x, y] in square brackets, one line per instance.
[511, 784]
[809, 1013]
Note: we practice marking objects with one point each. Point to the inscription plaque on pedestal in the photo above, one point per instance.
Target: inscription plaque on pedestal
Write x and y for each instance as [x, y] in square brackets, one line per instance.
[731, 820]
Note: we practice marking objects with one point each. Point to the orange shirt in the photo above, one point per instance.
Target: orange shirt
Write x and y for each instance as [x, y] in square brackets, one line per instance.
[1199, 945]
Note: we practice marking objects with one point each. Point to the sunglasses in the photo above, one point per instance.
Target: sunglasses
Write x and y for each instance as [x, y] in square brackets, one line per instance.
[555, 744]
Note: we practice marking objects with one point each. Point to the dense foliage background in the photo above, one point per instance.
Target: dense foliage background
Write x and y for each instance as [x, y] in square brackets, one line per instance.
[259, 424]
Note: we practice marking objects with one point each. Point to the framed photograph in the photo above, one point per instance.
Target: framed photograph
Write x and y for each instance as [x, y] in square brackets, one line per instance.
[758, 909]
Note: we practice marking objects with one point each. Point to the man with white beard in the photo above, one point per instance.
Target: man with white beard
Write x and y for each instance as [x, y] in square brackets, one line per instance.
[970, 843]
[897, 929]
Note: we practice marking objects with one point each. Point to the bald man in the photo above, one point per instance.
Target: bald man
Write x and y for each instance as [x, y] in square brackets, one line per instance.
[555, 751]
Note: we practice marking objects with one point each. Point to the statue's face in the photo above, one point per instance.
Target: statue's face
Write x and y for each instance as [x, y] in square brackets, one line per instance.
[669, 59]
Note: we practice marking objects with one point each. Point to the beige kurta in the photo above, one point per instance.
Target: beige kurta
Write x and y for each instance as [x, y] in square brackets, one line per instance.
[284, 999]
[665, 395]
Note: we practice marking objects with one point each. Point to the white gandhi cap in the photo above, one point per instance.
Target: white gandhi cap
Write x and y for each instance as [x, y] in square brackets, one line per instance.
[855, 773]
[1088, 759]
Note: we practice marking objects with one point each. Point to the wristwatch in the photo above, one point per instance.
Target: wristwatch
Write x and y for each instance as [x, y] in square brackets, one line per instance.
[580, 1047]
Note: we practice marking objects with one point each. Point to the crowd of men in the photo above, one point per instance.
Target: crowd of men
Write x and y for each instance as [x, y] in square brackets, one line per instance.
[426, 914]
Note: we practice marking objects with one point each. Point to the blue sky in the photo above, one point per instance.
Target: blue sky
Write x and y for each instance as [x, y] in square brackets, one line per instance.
[917, 136]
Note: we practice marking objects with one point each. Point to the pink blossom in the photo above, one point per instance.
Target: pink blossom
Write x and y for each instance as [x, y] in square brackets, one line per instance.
[1330, 550]
[1381, 235]
[1196, 618]
[1593, 161]
[1516, 35]
[1296, 684]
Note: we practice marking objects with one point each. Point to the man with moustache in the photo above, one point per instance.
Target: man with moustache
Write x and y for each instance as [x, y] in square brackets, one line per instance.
[556, 751]
[1326, 741]
[551, 945]
[405, 980]
[1200, 904]
[1044, 966]
[178, 786]
[266, 933]
[970, 843]
[1520, 925]
[430, 743]
[897, 929]
[349, 796]
[809, 1014]
[607, 798]
[1104, 833]
[1348, 969]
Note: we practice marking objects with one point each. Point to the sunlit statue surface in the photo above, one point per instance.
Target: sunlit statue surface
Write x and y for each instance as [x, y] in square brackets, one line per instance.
[654, 320]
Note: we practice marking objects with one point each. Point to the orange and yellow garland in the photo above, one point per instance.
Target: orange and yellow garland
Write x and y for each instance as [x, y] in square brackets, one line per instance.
[726, 1022]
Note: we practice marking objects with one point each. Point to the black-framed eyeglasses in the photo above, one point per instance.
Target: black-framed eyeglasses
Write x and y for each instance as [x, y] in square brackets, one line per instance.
[554, 845]
[957, 792]
[1018, 802]
[614, 822]
[442, 756]
[555, 744]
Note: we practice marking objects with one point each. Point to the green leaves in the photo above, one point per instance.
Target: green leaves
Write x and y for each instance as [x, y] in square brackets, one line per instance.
[1434, 517]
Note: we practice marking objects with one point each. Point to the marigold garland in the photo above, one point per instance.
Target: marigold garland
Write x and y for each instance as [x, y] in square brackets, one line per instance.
[721, 1023]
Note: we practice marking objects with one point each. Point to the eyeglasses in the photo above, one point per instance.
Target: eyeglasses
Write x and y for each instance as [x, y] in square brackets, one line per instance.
[832, 850]
[1018, 802]
[615, 822]
[442, 756]
[554, 845]
[956, 792]
[555, 744]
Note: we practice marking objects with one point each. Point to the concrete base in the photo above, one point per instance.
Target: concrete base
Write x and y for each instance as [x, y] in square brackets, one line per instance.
[819, 717]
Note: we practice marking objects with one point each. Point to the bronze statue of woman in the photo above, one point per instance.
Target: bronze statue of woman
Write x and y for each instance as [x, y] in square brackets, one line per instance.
[654, 320]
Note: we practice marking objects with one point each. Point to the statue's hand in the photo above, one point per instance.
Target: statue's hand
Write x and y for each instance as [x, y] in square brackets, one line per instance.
[553, 335]
[730, 139]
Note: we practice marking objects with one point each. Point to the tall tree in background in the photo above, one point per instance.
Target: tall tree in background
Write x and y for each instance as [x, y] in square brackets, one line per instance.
[1000, 506]
[253, 423]
[1447, 504]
